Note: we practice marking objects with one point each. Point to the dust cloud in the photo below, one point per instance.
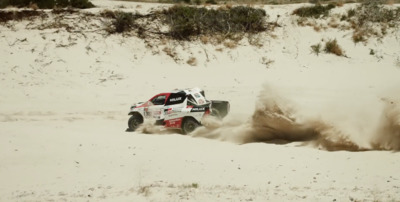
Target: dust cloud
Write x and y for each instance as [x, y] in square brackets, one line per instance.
[148, 127]
[370, 124]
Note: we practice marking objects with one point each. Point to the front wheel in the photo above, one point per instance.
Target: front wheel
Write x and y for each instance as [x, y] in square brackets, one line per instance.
[134, 122]
[189, 125]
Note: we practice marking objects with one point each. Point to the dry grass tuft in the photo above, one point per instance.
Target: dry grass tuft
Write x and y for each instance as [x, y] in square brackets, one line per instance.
[230, 44]
[359, 36]
[333, 47]
[316, 49]
[204, 39]
[317, 28]
[267, 62]
[145, 190]
[6, 16]
[33, 6]
[340, 3]
[219, 49]
[390, 2]
[192, 61]
[256, 40]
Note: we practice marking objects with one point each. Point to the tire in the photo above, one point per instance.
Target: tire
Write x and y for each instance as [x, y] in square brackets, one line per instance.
[134, 122]
[189, 125]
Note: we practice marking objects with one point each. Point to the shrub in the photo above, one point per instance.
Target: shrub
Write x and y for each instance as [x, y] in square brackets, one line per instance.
[6, 16]
[339, 3]
[122, 21]
[374, 11]
[351, 13]
[83, 4]
[230, 44]
[185, 21]
[182, 1]
[47, 3]
[17, 3]
[315, 11]
[195, 185]
[211, 2]
[192, 61]
[371, 52]
[359, 36]
[370, 15]
[333, 47]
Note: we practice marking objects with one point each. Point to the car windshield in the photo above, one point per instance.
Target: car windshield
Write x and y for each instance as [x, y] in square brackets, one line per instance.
[159, 100]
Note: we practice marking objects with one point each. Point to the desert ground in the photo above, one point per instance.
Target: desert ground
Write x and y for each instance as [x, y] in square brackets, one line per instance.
[65, 97]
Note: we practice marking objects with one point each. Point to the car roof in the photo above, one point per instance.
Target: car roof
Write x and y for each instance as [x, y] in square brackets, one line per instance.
[187, 90]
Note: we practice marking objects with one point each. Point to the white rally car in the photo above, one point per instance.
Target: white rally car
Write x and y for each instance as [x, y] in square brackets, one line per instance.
[178, 109]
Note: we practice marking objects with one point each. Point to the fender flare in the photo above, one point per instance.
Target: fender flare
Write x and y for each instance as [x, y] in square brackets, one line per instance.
[132, 113]
[190, 117]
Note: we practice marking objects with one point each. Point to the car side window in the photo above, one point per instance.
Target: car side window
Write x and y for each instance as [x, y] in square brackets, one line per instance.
[191, 100]
[159, 100]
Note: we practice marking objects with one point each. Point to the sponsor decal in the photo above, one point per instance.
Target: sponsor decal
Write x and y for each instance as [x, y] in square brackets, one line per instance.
[175, 99]
[172, 110]
[201, 101]
[169, 111]
[198, 109]
[173, 123]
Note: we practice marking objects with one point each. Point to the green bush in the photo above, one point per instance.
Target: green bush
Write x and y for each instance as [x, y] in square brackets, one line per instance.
[369, 15]
[351, 13]
[182, 1]
[315, 11]
[211, 2]
[45, 3]
[16, 3]
[374, 11]
[83, 4]
[6, 16]
[123, 22]
[185, 21]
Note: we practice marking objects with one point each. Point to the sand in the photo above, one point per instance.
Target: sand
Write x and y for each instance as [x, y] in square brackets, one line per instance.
[65, 97]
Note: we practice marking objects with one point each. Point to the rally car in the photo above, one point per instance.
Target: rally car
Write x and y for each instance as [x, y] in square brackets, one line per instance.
[179, 109]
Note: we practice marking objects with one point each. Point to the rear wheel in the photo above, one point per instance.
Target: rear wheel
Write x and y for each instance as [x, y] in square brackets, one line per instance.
[189, 125]
[134, 122]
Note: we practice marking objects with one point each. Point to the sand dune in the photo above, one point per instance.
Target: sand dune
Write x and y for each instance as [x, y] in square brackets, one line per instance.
[296, 121]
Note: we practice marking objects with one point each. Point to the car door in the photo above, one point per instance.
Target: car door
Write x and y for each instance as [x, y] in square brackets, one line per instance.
[156, 107]
[174, 105]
